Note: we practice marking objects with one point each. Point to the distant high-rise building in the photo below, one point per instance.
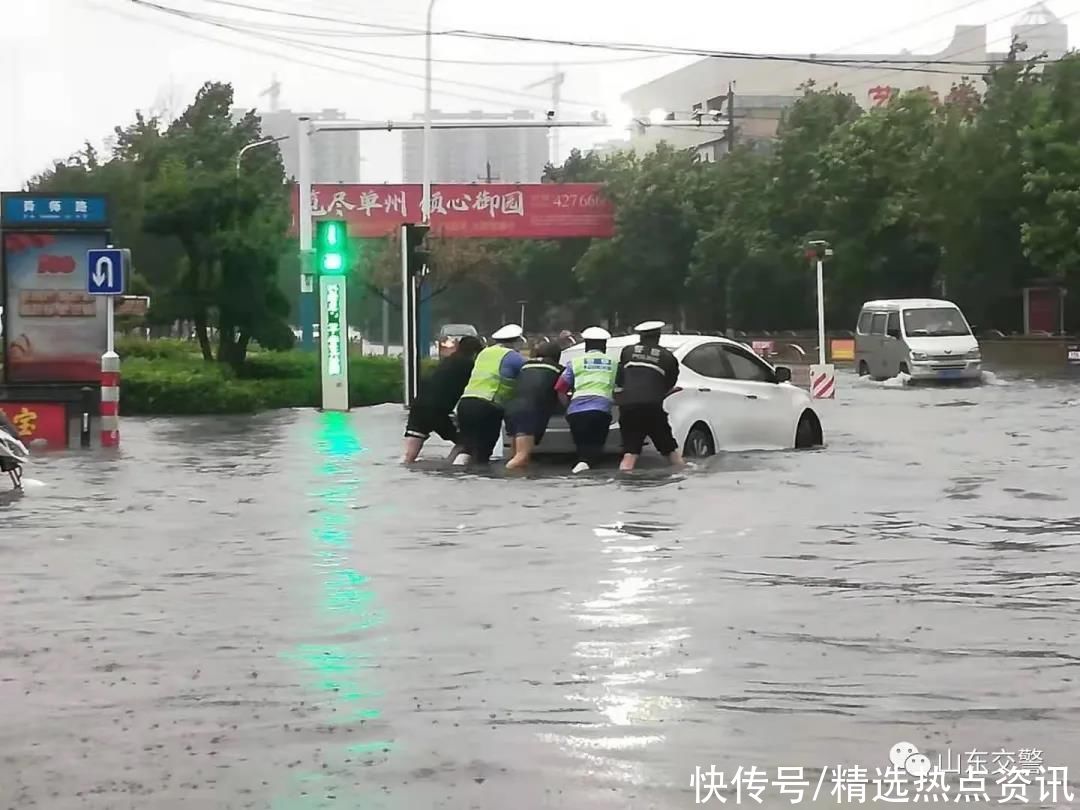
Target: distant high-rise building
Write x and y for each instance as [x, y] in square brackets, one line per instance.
[335, 156]
[475, 155]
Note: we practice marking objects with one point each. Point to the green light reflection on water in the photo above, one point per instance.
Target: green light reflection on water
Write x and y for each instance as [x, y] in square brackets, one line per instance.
[348, 601]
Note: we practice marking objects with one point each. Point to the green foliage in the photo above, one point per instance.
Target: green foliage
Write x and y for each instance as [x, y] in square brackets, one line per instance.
[973, 196]
[207, 240]
[160, 349]
[172, 382]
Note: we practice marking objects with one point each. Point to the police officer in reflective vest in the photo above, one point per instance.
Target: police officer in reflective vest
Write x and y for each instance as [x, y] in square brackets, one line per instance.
[647, 375]
[590, 380]
[481, 408]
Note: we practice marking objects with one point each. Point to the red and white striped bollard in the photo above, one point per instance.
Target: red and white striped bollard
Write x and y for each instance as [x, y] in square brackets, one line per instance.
[110, 399]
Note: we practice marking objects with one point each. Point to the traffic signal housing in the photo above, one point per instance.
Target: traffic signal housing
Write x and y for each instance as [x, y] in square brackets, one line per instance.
[331, 247]
[416, 249]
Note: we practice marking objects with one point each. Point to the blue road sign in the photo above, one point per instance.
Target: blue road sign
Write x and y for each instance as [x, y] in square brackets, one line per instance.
[106, 271]
[35, 209]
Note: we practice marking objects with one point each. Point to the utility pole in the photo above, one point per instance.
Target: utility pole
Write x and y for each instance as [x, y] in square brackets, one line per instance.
[489, 178]
[730, 118]
[556, 81]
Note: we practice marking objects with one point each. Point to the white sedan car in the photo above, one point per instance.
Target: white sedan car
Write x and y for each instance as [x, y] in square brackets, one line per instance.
[727, 398]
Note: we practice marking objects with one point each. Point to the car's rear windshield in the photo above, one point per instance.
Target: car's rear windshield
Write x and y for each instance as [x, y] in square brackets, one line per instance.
[935, 322]
[458, 330]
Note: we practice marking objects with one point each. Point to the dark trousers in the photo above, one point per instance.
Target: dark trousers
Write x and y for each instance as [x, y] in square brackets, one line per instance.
[590, 432]
[479, 426]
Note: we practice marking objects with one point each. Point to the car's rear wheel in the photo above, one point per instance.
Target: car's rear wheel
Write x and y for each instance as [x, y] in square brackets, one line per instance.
[808, 433]
[699, 442]
[864, 370]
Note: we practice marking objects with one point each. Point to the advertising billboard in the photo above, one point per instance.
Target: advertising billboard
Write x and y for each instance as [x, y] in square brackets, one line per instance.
[489, 211]
[53, 330]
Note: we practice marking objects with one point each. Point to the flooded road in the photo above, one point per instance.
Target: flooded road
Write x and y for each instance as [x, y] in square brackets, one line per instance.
[271, 613]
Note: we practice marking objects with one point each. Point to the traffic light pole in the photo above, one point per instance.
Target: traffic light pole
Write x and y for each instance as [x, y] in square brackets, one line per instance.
[307, 277]
[410, 322]
[332, 264]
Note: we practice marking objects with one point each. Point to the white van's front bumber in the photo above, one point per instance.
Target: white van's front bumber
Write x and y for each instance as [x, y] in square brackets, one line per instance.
[945, 369]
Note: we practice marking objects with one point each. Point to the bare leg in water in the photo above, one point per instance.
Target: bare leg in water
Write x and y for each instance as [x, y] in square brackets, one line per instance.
[523, 447]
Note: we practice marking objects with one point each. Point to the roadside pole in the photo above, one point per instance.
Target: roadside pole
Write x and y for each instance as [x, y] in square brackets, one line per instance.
[821, 309]
[306, 307]
[822, 374]
[106, 273]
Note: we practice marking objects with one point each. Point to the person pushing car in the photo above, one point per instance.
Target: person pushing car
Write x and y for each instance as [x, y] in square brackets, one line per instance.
[481, 408]
[439, 393]
[534, 402]
[591, 379]
[647, 374]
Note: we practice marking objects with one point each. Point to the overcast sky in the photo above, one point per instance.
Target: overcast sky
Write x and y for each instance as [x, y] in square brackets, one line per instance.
[75, 68]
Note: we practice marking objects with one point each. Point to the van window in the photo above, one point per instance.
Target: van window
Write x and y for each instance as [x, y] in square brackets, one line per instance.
[877, 325]
[935, 322]
[893, 326]
[864, 323]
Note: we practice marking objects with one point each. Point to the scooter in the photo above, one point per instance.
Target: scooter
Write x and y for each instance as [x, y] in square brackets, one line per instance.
[13, 455]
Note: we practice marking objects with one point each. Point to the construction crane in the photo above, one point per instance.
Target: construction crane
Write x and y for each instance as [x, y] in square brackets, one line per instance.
[556, 81]
[274, 94]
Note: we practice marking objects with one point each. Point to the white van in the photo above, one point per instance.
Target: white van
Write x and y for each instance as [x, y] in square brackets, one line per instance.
[926, 338]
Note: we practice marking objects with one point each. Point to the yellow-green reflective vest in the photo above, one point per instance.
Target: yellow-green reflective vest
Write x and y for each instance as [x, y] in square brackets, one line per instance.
[594, 375]
[486, 383]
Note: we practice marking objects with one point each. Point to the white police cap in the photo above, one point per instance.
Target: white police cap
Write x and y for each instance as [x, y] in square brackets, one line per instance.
[509, 332]
[650, 326]
[596, 333]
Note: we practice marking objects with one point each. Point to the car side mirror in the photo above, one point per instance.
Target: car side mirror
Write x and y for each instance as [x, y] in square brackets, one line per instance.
[894, 333]
[783, 374]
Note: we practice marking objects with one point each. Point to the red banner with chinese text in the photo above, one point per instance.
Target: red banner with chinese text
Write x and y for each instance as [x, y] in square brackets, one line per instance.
[488, 211]
[35, 421]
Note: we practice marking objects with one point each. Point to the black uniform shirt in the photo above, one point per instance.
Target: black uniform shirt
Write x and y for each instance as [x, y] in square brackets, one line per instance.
[646, 374]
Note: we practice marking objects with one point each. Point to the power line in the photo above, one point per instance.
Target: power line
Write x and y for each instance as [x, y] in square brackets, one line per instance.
[921, 21]
[241, 26]
[337, 71]
[371, 65]
[599, 45]
[404, 33]
[988, 64]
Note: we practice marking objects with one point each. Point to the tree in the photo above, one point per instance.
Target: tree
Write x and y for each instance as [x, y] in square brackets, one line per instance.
[232, 228]
[975, 185]
[1051, 167]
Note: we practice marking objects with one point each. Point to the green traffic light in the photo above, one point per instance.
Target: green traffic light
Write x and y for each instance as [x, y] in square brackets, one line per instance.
[331, 243]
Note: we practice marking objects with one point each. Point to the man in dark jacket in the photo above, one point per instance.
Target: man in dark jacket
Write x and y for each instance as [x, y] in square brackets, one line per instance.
[647, 374]
[438, 395]
[534, 401]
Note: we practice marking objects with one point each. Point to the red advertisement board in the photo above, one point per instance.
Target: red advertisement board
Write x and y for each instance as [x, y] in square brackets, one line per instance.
[487, 211]
[38, 420]
[53, 330]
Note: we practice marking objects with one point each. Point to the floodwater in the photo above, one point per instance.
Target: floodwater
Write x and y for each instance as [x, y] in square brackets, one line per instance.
[271, 613]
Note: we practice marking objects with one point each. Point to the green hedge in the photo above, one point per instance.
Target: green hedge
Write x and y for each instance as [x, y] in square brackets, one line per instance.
[169, 378]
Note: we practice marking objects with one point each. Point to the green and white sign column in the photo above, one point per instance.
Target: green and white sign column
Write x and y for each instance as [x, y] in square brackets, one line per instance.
[331, 247]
